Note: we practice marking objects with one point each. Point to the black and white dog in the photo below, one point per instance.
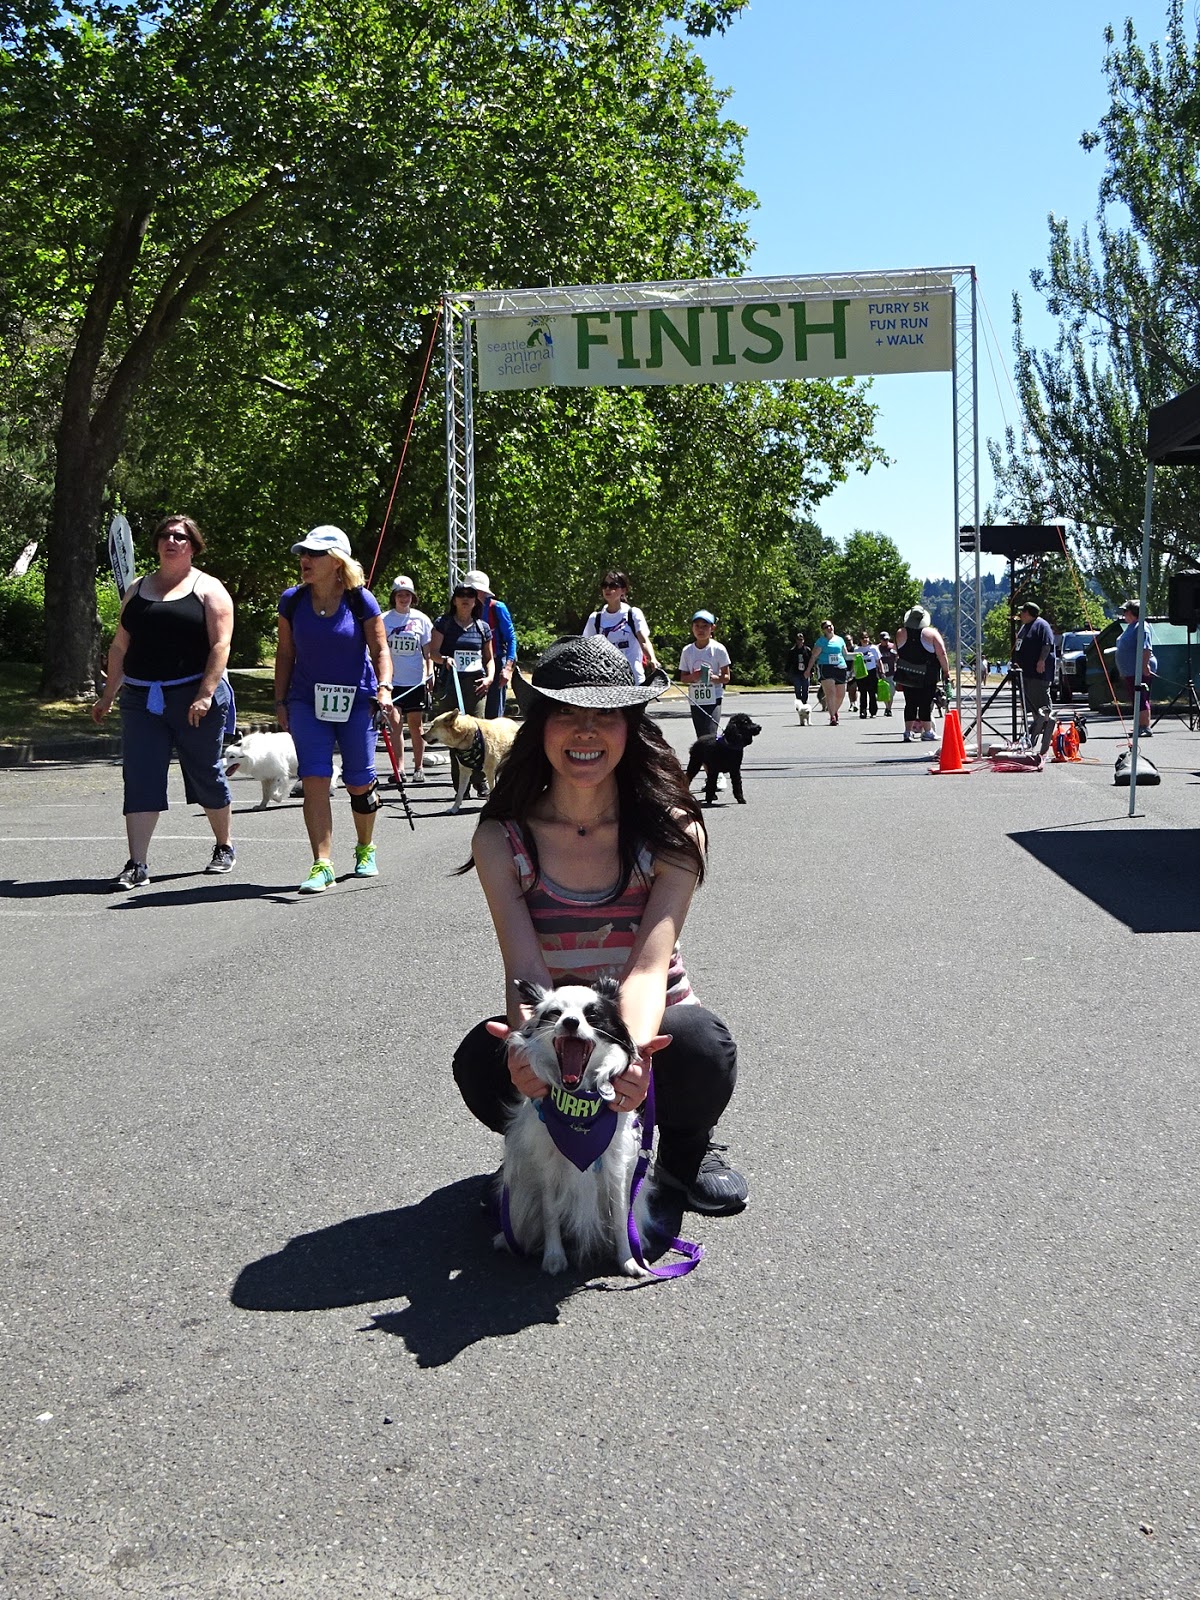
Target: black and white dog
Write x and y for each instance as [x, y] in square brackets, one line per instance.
[722, 752]
[569, 1159]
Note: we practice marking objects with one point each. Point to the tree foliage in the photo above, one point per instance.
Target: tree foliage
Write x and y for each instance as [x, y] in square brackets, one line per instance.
[1129, 326]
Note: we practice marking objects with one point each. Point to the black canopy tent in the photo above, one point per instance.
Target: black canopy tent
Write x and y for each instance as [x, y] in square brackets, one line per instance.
[1172, 440]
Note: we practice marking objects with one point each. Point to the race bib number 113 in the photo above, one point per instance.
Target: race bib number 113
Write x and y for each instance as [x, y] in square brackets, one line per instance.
[333, 702]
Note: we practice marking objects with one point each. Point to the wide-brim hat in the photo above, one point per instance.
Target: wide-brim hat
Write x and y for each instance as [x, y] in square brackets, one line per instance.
[475, 579]
[589, 673]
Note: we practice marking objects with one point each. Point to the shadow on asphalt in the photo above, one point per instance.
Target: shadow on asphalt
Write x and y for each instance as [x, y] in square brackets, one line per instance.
[1150, 881]
[437, 1255]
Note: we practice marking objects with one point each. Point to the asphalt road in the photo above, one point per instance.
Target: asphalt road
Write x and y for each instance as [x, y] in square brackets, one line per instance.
[253, 1337]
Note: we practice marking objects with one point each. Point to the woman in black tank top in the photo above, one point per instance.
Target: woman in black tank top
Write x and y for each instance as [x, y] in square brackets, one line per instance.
[168, 662]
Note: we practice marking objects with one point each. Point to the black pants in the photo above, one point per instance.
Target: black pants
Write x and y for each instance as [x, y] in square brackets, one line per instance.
[694, 1078]
[868, 694]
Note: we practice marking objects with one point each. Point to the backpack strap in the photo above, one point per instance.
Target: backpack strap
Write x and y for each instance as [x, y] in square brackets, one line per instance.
[354, 599]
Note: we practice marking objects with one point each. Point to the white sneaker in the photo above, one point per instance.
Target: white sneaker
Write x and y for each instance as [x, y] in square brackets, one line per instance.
[419, 775]
[722, 785]
[929, 737]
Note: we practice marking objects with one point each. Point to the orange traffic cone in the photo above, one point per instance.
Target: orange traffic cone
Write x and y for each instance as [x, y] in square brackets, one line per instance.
[953, 757]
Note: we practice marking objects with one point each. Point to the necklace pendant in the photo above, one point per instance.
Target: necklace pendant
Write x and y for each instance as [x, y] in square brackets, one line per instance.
[582, 832]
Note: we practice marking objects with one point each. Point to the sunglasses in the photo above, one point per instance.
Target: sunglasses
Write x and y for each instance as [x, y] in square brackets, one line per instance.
[175, 536]
[612, 585]
[312, 555]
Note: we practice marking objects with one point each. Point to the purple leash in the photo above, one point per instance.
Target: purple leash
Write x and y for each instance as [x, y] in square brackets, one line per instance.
[693, 1254]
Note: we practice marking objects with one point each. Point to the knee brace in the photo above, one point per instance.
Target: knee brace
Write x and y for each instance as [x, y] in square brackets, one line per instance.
[368, 801]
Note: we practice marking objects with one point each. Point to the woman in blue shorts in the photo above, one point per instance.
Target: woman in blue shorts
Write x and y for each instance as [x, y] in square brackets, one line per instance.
[331, 665]
[829, 664]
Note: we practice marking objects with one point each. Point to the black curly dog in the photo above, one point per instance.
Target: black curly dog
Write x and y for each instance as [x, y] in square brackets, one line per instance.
[722, 752]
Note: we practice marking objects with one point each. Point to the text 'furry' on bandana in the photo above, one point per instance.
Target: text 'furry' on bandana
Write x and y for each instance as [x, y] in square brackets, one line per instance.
[581, 1125]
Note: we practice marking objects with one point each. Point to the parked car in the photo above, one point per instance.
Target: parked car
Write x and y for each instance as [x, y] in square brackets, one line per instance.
[1070, 664]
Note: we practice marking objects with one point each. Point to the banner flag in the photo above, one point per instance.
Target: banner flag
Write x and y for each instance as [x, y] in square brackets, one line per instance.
[823, 336]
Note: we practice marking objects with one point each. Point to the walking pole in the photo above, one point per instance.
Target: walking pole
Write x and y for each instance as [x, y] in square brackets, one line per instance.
[391, 750]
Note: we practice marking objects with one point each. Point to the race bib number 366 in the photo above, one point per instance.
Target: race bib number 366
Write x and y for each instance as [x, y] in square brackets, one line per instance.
[333, 702]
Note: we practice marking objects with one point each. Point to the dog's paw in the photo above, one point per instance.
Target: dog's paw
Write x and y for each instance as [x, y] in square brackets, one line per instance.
[741, 800]
[630, 1269]
[554, 1260]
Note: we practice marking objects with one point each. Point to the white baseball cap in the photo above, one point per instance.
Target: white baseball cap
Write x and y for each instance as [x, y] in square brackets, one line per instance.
[479, 580]
[403, 583]
[324, 538]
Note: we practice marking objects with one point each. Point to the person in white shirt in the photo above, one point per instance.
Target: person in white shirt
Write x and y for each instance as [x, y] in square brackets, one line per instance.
[623, 625]
[868, 687]
[408, 633]
[704, 666]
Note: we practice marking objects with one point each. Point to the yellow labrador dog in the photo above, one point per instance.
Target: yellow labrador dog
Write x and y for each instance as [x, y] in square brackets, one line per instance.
[479, 746]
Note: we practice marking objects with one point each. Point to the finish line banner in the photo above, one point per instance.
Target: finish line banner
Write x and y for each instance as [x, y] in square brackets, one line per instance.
[757, 340]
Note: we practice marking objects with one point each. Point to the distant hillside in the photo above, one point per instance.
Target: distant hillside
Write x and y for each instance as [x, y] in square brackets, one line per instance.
[937, 596]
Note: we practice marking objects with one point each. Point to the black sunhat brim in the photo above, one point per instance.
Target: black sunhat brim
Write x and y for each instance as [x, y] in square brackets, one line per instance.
[593, 697]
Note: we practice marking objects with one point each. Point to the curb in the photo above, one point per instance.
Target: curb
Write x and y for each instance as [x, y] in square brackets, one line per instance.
[29, 752]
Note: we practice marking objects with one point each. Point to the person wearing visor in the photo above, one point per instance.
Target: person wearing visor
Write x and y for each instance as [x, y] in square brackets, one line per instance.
[589, 850]
[331, 666]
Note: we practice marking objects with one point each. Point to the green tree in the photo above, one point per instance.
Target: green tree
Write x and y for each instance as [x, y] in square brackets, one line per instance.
[1129, 327]
[869, 584]
[285, 182]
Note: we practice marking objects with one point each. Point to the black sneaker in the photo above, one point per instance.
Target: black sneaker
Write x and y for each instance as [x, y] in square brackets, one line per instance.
[136, 875]
[223, 858]
[716, 1189]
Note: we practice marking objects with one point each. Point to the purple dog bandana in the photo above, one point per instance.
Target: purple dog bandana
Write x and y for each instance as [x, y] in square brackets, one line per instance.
[581, 1125]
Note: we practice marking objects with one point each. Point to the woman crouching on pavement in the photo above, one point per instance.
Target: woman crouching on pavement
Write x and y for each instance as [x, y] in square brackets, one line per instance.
[589, 849]
[331, 665]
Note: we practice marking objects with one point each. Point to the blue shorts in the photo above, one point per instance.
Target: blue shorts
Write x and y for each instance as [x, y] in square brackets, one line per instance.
[148, 742]
[315, 741]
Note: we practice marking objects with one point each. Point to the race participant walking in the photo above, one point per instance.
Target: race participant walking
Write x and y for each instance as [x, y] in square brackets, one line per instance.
[829, 663]
[704, 666]
[167, 661]
[887, 670]
[408, 633]
[798, 659]
[868, 686]
[921, 661]
[504, 641]
[623, 625]
[331, 665]
[462, 645]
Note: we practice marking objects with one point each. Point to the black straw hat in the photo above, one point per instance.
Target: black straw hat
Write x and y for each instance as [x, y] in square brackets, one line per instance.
[590, 673]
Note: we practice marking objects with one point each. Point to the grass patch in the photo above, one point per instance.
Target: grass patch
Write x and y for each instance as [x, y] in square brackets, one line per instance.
[23, 716]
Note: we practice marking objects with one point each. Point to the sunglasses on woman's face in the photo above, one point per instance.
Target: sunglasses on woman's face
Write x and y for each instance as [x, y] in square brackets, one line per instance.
[174, 536]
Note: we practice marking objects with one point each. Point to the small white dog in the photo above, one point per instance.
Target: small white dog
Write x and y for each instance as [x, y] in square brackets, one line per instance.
[803, 712]
[271, 758]
[569, 1159]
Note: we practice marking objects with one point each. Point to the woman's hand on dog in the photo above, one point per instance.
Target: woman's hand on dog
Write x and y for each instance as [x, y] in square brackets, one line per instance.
[630, 1085]
[524, 1078]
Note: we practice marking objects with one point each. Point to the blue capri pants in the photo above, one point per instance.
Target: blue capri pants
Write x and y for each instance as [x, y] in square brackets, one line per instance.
[148, 741]
[315, 741]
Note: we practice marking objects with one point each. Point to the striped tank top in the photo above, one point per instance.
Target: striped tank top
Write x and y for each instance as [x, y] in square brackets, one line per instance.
[584, 935]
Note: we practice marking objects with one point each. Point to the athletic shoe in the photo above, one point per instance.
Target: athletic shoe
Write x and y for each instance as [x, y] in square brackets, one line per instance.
[419, 775]
[929, 738]
[364, 861]
[888, 712]
[223, 858]
[716, 1189]
[833, 720]
[908, 738]
[135, 875]
[1146, 733]
[722, 783]
[319, 878]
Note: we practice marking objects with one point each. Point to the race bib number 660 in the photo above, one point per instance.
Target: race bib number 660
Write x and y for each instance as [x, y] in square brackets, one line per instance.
[333, 702]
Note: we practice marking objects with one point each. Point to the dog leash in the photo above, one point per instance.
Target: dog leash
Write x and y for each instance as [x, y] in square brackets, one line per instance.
[692, 1253]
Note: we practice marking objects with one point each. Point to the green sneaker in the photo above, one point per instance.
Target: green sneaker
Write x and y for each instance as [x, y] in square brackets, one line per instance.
[364, 861]
[319, 878]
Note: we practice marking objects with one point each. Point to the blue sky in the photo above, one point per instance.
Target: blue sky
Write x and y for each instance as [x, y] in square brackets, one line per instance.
[884, 135]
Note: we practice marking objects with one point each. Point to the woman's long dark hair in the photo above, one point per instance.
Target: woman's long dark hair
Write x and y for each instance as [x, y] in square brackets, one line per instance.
[655, 806]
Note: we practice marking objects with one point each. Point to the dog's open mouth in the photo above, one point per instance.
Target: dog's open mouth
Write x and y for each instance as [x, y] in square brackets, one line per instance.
[573, 1056]
[231, 767]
